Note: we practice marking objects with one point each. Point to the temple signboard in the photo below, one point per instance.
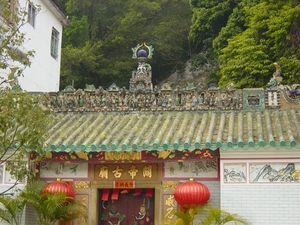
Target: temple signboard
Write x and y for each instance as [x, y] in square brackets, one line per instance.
[143, 172]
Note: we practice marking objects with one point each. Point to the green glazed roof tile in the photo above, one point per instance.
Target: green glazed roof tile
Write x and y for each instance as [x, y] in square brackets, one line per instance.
[115, 131]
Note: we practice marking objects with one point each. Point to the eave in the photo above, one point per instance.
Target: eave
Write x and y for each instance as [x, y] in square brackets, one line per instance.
[57, 12]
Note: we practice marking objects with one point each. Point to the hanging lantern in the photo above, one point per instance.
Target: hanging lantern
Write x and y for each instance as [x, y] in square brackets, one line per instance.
[191, 193]
[59, 186]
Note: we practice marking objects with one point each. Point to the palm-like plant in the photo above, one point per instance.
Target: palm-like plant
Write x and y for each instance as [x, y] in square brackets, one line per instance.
[12, 209]
[212, 216]
[217, 216]
[187, 217]
[49, 207]
[53, 207]
[13, 206]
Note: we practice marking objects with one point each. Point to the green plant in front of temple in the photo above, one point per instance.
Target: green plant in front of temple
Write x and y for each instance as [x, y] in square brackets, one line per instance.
[53, 207]
[49, 207]
[205, 215]
[12, 209]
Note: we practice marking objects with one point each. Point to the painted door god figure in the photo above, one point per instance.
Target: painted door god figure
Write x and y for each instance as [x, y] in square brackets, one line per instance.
[114, 217]
[142, 217]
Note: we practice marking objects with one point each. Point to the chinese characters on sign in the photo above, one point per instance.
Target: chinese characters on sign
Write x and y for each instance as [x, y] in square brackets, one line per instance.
[103, 172]
[126, 172]
[147, 171]
[118, 172]
[170, 204]
[127, 184]
[132, 171]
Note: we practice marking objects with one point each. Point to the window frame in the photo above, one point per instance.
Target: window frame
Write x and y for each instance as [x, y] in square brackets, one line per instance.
[31, 14]
[54, 43]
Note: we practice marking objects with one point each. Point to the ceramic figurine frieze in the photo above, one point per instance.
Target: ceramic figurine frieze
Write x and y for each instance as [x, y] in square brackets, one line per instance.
[142, 96]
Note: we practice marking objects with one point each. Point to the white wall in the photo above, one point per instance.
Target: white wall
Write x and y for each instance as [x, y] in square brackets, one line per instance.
[263, 201]
[214, 189]
[263, 204]
[214, 201]
[43, 74]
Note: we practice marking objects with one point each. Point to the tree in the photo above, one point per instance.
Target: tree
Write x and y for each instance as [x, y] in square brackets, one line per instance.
[97, 45]
[22, 117]
[22, 129]
[208, 19]
[235, 25]
[247, 37]
[243, 63]
[269, 37]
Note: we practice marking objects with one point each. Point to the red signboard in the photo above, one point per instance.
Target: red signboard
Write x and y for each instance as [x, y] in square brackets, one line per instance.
[124, 184]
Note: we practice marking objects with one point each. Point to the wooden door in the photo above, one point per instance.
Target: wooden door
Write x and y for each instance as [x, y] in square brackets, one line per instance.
[132, 207]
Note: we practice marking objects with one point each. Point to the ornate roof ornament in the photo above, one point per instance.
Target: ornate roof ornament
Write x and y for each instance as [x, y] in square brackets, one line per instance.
[139, 47]
[276, 78]
[141, 78]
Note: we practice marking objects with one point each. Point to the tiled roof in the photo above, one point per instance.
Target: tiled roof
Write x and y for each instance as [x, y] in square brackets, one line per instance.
[169, 130]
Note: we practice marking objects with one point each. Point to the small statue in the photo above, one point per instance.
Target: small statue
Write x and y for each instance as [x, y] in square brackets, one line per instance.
[276, 78]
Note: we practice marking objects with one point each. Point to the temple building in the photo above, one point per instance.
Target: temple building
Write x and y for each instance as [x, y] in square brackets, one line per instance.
[125, 151]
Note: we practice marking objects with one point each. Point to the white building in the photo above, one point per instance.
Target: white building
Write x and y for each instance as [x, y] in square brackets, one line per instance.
[44, 35]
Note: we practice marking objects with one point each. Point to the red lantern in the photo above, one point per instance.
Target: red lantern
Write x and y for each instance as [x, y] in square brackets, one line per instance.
[191, 193]
[59, 186]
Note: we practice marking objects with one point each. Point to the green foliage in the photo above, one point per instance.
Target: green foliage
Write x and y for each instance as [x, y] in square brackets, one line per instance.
[12, 210]
[231, 41]
[76, 33]
[22, 128]
[269, 35]
[209, 17]
[290, 69]
[53, 207]
[244, 63]
[98, 50]
[13, 206]
[219, 217]
[49, 207]
[206, 215]
[22, 117]
[235, 25]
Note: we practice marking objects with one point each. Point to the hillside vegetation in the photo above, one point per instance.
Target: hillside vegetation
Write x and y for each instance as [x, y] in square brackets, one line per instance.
[225, 40]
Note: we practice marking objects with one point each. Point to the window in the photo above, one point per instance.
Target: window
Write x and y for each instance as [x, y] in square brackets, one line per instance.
[31, 14]
[54, 43]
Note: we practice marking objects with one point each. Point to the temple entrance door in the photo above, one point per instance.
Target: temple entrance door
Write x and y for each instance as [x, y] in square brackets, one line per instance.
[130, 207]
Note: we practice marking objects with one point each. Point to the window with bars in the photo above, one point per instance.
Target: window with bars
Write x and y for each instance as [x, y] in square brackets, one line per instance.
[31, 14]
[54, 43]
